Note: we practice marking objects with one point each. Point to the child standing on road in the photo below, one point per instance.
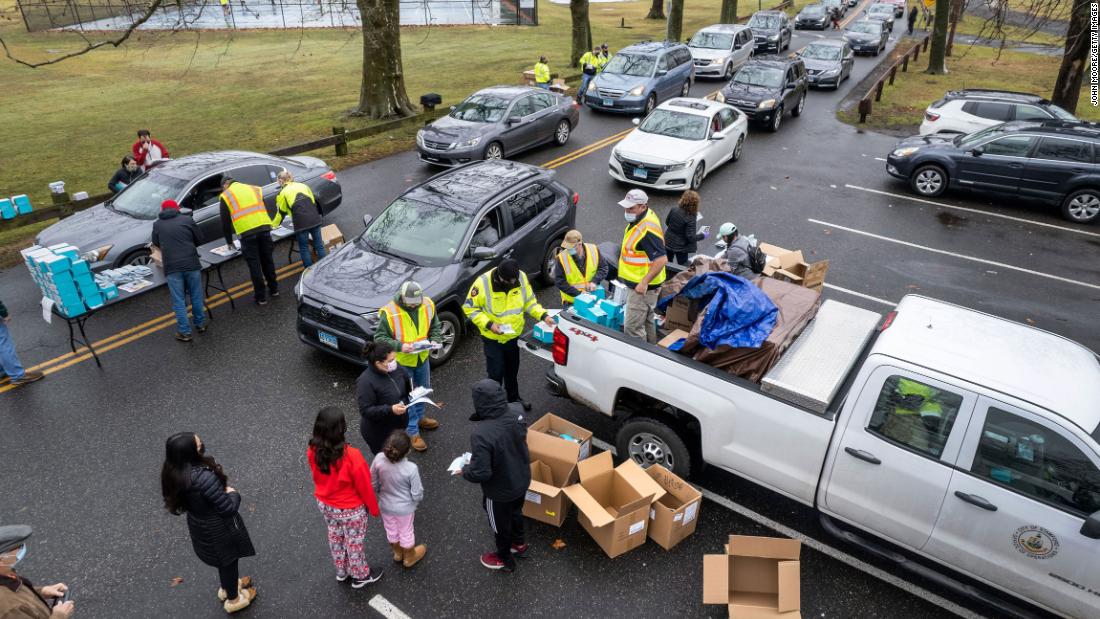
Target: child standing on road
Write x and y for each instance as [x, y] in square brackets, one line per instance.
[397, 483]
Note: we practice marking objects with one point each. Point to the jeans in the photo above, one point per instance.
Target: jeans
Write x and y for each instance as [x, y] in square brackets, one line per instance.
[543, 85]
[303, 244]
[257, 249]
[181, 286]
[8, 359]
[638, 318]
[585, 79]
[679, 257]
[421, 377]
[506, 520]
[502, 364]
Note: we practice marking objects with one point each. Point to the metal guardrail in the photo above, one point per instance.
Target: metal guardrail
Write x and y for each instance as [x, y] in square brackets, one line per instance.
[875, 92]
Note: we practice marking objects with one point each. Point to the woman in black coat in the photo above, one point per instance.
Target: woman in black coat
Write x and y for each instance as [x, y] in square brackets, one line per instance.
[681, 239]
[195, 483]
[383, 394]
[125, 175]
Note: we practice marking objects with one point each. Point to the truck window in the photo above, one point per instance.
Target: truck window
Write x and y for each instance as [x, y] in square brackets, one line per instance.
[1036, 461]
[915, 415]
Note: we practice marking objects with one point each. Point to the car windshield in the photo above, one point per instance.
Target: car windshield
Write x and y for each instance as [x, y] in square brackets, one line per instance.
[750, 75]
[634, 65]
[481, 109]
[764, 22]
[881, 8]
[142, 198]
[712, 40]
[814, 10]
[675, 125]
[405, 227]
[1060, 113]
[866, 28]
[822, 52]
[965, 141]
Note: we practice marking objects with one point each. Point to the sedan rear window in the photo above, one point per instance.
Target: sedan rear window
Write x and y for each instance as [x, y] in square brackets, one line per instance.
[402, 228]
[675, 125]
[142, 198]
[712, 40]
[751, 75]
[634, 65]
[481, 109]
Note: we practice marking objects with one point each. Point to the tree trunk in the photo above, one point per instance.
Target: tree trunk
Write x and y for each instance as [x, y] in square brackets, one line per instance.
[383, 92]
[957, 8]
[1067, 88]
[656, 10]
[937, 50]
[675, 26]
[729, 12]
[582, 31]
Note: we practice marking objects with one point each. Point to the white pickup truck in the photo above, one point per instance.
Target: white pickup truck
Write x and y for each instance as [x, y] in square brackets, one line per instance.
[965, 439]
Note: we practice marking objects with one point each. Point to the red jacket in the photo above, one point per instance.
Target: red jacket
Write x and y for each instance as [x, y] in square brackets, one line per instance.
[139, 153]
[347, 485]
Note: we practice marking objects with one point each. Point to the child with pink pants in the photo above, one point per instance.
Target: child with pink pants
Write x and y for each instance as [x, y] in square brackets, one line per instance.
[397, 484]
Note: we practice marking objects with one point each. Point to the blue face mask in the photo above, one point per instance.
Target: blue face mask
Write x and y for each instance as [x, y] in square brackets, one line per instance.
[572, 251]
[19, 555]
[630, 217]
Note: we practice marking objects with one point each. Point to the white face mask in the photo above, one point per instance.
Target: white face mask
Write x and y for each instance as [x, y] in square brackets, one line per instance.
[391, 366]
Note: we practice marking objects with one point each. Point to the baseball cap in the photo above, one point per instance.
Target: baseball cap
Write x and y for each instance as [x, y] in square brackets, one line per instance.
[169, 204]
[13, 536]
[727, 229]
[572, 239]
[634, 197]
[412, 293]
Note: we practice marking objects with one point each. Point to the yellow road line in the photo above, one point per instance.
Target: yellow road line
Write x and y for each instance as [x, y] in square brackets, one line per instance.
[585, 150]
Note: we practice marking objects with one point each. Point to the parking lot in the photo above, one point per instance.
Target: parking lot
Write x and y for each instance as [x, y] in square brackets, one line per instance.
[85, 445]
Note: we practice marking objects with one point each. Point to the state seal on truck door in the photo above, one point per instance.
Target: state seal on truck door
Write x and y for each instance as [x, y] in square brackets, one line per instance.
[1035, 542]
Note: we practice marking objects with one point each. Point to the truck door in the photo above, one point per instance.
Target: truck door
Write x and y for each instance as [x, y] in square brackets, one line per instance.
[893, 464]
[1015, 507]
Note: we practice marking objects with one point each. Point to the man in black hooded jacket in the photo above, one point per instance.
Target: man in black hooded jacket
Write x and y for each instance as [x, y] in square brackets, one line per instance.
[501, 463]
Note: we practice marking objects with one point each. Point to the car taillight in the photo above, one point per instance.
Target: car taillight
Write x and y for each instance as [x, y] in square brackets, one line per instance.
[889, 321]
[576, 198]
[560, 349]
[329, 176]
[930, 117]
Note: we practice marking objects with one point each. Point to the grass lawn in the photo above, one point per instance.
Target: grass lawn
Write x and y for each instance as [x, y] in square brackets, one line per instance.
[973, 25]
[904, 103]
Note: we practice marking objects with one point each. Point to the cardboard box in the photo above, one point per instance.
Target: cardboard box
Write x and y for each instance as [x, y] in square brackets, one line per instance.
[614, 502]
[332, 237]
[674, 516]
[553, 467]
[757, 577]
[681, 313]
[791, 266]
[555, 427]
[558, 85]
[156, 256]
[677, 335]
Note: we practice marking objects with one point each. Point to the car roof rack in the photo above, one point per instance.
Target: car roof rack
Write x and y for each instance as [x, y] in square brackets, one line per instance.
[962, 92]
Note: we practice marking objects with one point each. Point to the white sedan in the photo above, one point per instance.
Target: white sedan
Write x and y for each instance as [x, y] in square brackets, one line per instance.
[679, 143]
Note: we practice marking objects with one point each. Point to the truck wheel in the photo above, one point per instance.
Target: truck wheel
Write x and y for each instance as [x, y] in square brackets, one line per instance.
[452, 333]
[647, 441]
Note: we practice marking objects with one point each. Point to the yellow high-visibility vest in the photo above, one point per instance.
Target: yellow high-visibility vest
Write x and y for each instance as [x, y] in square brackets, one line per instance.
[574, 276]
[483, 305]
[405, 332]
[929, 406]
[542, 73]
[288, 195]
[246, 207]
[633, 262]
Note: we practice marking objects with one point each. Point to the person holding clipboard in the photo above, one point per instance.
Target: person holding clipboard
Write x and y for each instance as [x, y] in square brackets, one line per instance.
[382, 391]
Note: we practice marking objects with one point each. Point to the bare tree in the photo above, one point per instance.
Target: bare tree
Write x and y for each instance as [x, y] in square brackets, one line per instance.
[729, 12]
[656, 10]
[382, 94]
[1067, 88]
[675, 26]
[582, 30]
[937, 50]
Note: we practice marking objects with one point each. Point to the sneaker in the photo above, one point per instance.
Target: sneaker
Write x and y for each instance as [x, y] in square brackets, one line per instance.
[274, 294]
[261, 301]
[28, 377]
[372, 576]
[183, 337]
[519, 550]
[342, 578]
[493, 562]
[201, 328]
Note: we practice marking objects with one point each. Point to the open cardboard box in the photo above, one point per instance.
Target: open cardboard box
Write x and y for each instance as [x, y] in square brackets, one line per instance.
[614, 502]
[757, 577]
[681, 313]
[791, 266]
[553, 467]
[554, 427]
[674, 516]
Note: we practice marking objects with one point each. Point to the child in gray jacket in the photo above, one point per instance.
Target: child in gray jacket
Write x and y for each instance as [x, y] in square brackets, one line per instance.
[397, 484]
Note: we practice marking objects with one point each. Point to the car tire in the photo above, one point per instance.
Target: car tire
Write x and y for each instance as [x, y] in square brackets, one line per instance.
[698, 175]
[562, 132]
[728, 75]
[648, 441]
[738, 150]
[1082, 206]
[546, 270]
[138, 257]
[495, 150]
[928, 181]
[650, 103]
[452, 334]
[685, 90]
[777, 120]
[797, 111]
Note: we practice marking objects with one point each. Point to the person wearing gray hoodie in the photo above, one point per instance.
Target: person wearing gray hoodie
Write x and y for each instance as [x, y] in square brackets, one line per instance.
[397, 484]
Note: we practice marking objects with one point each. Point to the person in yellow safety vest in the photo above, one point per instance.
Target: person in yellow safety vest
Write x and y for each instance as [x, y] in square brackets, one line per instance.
[542, 73]
[496, 304]
[296, 199]
[642, 260]
[409, 325]
[916, 417]
[604, 57]
[570, 276]
[244, 213]
[590, 66]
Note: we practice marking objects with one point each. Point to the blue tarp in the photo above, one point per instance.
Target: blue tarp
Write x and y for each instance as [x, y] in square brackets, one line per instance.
[739, 314]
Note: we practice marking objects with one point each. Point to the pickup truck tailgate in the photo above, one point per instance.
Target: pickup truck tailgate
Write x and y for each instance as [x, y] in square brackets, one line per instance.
[540, 349]
[816, 364]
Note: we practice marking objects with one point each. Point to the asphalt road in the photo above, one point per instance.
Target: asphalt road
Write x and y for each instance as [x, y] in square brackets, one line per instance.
[83, 448]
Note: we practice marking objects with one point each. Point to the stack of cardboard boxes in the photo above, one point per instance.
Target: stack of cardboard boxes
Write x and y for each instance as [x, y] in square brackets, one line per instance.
[15, 205]
[66, 279]
[791, 266]
[556, 446]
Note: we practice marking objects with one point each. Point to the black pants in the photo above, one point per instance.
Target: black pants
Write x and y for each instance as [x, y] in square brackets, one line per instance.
[506, 520]
[257, 249]
[679, 257]
[502, 364]
[228, 576]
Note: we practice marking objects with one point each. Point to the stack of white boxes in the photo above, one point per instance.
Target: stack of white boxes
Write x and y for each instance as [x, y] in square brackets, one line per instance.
[64, 277]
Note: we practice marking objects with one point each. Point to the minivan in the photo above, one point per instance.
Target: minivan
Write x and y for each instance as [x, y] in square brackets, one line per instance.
[641, 76]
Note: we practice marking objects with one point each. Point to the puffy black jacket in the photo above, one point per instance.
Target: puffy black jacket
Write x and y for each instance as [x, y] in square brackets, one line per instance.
[124, 177]
[377, 393]
[680, 234]
[177, 235]
[217, 531]
[500, 461]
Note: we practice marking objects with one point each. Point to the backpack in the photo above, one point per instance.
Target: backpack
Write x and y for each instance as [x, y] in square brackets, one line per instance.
[757, 259]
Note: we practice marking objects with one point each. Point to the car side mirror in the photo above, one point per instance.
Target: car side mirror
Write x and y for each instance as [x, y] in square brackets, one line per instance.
[482, 253]
[367, 219]
[718, 135]
[661, 72]
[636, 121]
[1091, 526]
[514, 120]
[976, 151]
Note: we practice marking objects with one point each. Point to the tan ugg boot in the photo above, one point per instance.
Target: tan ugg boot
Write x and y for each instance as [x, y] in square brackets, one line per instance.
[398, 552]
[412, 555]
[419, 444]
[243, 582]
[244, 599]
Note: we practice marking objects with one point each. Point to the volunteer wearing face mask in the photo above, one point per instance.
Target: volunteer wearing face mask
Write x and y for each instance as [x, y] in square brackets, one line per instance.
[18, 597]
[382, 391]
[642, 261]
[579, 267]
[125, 175]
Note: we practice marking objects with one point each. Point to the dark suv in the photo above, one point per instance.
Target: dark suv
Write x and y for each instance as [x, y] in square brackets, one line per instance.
[767, 88]
[442, 233]
[1053, 161]
[771, 30]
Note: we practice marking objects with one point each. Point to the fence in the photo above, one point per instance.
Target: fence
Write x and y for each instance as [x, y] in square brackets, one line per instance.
[865, 104]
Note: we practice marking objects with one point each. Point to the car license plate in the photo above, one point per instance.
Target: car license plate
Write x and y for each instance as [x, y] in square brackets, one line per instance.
[608, 103]
[640, 173]
[328, 339]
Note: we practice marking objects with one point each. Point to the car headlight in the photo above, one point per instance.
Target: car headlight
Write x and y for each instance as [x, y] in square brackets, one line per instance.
[905, 152]
[467, 143]
[637, 92]
[717, 60]
[681, 166]
[420, 138]
[299, 289]
[96, 255]
[592, 86]
[766, 104]
[617, 155]
[774, 37]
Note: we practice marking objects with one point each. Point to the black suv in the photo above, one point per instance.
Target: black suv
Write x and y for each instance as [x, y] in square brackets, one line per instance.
[442, 233]
[767, 88]
[1053, 161]
[771, 30]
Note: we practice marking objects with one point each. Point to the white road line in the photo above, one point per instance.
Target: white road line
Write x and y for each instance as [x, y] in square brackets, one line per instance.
[973, 210]
[386, 609]
[826, 550]
[876, 159]
[956, 255]
[860, 295]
